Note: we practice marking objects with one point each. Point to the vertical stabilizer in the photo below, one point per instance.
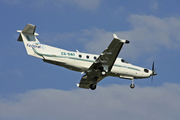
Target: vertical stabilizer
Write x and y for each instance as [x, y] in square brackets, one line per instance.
[28, 36]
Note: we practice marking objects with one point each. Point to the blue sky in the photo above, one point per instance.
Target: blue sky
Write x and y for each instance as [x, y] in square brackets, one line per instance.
[33, 90]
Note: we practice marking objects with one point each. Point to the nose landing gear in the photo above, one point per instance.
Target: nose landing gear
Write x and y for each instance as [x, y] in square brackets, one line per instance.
[132, 86]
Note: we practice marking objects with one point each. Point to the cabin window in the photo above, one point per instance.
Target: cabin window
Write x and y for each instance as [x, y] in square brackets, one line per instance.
[80, 56]
[146, 70]
[95, 57]
[87, 56]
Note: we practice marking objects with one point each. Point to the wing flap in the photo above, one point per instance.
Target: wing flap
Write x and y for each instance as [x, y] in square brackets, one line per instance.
[87, 80]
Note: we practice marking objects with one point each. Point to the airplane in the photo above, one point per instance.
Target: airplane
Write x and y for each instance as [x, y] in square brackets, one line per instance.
[94, 67]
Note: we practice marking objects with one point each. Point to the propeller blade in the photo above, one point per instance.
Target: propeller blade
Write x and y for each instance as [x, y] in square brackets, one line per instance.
[152, 80]
[153, 67]
[153, 72]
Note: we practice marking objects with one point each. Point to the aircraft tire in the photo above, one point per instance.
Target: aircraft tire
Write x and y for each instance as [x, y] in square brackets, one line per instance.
[93, 86]
[132, 86]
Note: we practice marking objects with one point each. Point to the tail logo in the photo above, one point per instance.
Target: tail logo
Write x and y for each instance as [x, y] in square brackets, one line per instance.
[36, 45]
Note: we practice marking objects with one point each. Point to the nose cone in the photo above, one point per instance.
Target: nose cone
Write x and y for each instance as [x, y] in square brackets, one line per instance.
[153, 70]
[153, 73]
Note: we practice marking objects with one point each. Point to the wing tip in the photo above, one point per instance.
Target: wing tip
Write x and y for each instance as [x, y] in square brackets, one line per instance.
[115, 36]
[124, 41]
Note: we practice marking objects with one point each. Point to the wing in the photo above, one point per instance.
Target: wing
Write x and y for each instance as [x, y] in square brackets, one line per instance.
[103, 64]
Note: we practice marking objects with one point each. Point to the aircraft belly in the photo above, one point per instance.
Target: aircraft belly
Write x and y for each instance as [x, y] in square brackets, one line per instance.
[119, 70]
[52, 59]
[127, 71]
[81, 65]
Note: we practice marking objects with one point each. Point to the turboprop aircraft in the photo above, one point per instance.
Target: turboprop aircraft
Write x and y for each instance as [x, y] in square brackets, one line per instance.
[94, 67]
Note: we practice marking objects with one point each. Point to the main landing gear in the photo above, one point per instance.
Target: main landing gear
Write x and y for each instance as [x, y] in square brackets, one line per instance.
[93, 86]
[94, 83]
[132, 86]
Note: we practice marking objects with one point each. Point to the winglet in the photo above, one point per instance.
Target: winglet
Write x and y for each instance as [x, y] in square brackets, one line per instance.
[115, 36]
[123, 41]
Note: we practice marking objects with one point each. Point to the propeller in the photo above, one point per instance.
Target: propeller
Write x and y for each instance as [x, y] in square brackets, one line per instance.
[153, 72]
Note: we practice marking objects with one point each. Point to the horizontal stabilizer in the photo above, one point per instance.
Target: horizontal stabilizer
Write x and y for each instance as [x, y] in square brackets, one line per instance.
[29, 29]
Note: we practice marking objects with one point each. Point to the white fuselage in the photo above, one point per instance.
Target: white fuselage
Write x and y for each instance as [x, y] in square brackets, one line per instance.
[95, 67]
[78, 61]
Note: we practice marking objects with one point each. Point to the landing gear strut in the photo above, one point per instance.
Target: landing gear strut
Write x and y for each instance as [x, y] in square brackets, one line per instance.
[132, 86]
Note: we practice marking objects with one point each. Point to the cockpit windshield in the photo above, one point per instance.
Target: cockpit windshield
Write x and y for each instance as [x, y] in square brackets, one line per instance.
[122, 60]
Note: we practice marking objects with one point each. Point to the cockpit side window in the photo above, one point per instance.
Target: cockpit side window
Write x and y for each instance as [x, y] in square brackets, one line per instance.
[122, 60]
[146, 70]
[95, 57]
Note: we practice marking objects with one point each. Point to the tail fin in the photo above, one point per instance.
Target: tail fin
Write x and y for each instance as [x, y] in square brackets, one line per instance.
[28, 36]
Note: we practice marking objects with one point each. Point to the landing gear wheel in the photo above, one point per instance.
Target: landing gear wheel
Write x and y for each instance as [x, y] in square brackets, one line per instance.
[103, 73]
[93, 86]
[132, 86]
